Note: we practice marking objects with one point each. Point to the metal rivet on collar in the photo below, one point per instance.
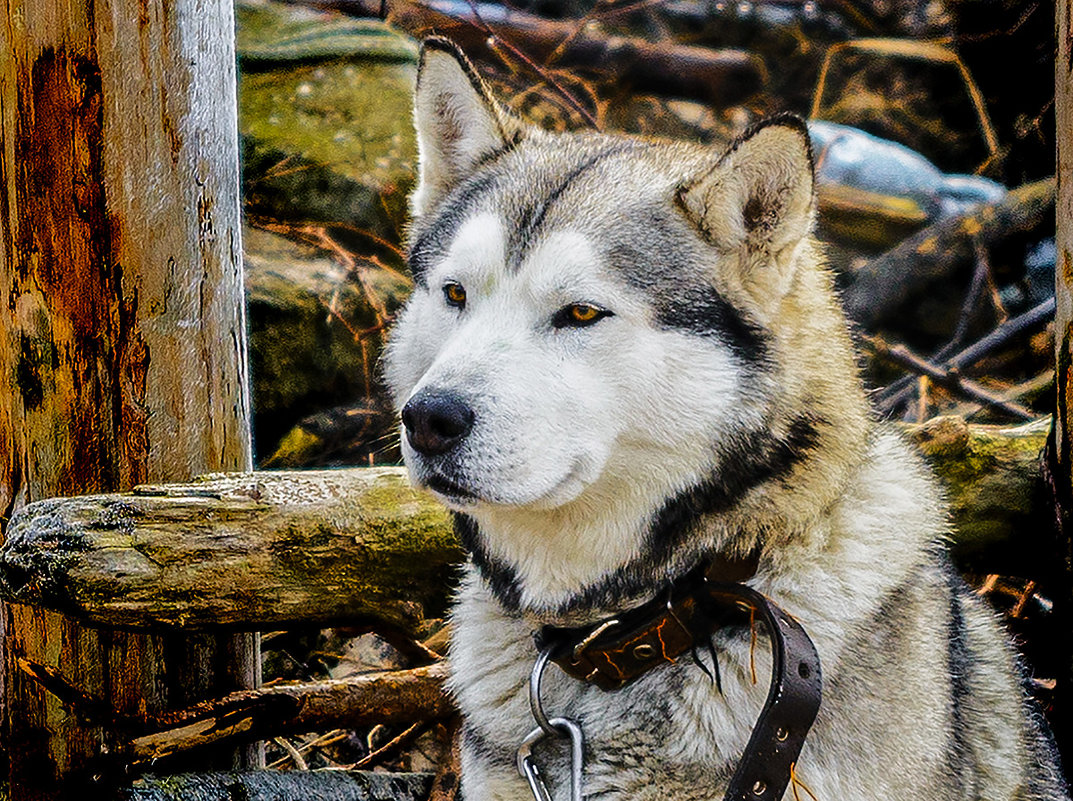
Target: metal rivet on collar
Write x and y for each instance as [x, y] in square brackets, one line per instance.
[644, 651]
[781, 734]
[759, 787]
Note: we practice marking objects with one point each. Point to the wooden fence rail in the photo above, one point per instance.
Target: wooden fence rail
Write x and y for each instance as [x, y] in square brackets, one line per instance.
[247, 550]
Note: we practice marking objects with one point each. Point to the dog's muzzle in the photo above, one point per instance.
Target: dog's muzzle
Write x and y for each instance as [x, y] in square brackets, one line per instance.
[436, 421]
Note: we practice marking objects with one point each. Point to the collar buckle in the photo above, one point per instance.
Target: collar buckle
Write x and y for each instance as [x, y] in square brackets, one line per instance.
[592, 635]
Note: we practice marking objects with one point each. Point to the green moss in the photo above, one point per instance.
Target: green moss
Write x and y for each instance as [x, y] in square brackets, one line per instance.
[296, 446]
[412, 520]
[990, 477]
[394, 557]
[277, 33]
[353, 119]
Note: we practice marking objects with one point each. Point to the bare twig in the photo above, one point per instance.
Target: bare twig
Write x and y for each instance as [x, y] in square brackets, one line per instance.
[898, 391]
[545, 76]
[292, 752]
[321, 741]
[947, 377]
[392, 747]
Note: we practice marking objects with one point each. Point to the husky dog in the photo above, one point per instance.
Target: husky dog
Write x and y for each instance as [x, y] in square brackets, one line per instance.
[623, 357]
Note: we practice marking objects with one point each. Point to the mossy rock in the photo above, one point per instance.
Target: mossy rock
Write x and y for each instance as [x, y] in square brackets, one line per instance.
[324, 112]
[304, 310]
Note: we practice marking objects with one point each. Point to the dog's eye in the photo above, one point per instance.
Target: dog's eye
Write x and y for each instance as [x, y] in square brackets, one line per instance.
[579, 315]
[455, 294]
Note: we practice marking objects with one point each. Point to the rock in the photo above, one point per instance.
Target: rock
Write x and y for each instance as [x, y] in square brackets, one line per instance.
[304, 312]
[324, 112]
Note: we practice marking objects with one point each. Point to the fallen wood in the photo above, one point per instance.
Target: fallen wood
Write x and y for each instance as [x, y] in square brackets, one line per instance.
[365, 700]
[992, 479]
[274, 785]
[253, 550]
[883, 285]
[266, 549]
[724, 77]
[401, 696]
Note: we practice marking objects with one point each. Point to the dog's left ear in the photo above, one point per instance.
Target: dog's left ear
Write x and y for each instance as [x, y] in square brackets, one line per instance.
[459, 124]
[759, 194]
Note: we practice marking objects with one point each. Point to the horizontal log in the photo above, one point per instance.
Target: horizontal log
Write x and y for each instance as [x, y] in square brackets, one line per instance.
[275, 785]
[882, 286]
[723, 77]
[401, 696]
[268, 549]
[255, 550]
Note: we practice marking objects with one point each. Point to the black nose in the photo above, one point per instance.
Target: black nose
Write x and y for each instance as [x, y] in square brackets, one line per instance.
[436, 422]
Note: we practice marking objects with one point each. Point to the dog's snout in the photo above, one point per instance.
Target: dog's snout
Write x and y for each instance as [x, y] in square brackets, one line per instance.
[436, 421]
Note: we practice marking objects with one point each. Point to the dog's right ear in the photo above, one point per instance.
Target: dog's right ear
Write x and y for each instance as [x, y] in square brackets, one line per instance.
[459, 124]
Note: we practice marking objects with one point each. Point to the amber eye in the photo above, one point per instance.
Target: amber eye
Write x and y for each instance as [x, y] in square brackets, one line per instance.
[579, 315]
[455, 294]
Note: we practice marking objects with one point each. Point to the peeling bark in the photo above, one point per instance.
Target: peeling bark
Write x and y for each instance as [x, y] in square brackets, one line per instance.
[122, 334]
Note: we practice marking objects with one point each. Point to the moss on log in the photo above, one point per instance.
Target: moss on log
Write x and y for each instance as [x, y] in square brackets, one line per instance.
[241, 550]
[992, 479]
[270, 548]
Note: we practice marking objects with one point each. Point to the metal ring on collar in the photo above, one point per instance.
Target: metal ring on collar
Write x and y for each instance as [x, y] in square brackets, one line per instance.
[535, 704]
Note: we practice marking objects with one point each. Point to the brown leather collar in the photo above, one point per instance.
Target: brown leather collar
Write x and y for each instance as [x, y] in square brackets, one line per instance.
[617, 651]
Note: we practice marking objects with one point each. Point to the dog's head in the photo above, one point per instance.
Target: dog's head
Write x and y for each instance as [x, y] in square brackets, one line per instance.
[595, 326]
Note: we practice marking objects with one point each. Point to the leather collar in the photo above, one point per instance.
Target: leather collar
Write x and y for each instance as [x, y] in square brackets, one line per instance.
[617, 651]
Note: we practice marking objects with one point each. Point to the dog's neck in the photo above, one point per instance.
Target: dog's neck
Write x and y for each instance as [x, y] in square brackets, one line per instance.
[574, 569]
[599, 567]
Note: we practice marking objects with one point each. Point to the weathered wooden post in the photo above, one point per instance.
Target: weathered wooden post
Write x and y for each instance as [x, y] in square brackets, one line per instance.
[1060, 449]
[122, 339]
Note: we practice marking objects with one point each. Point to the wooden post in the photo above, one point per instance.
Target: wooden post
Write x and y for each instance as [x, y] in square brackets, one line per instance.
[122, 333]
[1060, 449]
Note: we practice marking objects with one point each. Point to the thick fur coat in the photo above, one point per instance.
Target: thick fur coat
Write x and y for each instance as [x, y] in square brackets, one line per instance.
[622, 357]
